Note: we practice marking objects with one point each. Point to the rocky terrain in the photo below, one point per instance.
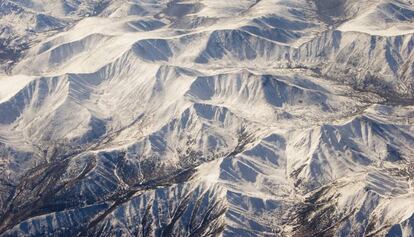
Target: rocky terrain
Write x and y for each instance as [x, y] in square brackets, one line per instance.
[207, 118]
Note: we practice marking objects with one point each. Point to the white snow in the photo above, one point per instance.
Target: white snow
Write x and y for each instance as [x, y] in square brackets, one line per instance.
[10, 85]
[275, 103]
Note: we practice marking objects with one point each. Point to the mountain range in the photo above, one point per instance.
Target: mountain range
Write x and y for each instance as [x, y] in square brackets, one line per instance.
[207, 118]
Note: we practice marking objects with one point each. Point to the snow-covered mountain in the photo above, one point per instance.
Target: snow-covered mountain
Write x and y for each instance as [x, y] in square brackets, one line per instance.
[207, 118]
